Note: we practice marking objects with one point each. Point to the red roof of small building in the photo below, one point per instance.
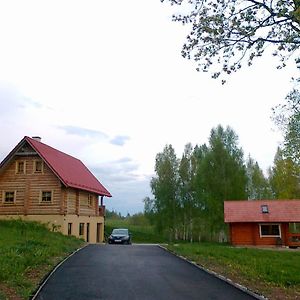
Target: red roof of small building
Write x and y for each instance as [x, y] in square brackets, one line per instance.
[70, 170]
[251, 211]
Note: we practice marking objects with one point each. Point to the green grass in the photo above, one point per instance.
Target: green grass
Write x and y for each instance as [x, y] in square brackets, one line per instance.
[254, 266]
[140, 233]
[29, 250]
[2, 296]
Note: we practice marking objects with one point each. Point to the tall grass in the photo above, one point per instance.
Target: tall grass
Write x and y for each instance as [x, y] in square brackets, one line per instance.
[26, 247]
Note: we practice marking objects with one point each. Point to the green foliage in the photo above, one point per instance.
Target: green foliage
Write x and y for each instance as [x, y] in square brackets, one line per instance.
[189, 193]
[112, 214]
[149, 209]
[223, 175]
[258, 186]
[165, 189]
[2, 296]
[281, 268]
[26, 246]
[227, 32]
[287, 118]
[284, 177]
[138, 219]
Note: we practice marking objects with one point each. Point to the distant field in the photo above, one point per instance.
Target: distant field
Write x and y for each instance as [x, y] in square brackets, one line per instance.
[140, 233]
[273, 273]
[28, 251]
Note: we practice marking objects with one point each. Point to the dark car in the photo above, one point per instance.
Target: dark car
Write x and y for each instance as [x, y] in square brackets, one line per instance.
[120, 236]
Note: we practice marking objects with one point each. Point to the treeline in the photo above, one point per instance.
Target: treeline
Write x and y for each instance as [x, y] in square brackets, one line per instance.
[138, 219]
[189, 192]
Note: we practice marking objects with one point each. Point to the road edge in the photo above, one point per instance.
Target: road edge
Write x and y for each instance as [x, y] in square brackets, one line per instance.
[221, 277]
[46, 278]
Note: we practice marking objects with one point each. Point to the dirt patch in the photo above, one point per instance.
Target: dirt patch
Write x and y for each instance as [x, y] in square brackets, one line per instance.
[8, 293]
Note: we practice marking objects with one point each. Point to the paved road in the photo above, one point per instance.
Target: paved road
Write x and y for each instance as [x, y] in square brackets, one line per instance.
[133, 272]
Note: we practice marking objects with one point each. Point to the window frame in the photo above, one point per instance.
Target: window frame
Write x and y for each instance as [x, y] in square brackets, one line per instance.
[81, 229]
[9, 202]
[18, 162]
[271, 235]
[35, 171]
[265, 209]
[70, 225]
[41, 201]
[294, 227]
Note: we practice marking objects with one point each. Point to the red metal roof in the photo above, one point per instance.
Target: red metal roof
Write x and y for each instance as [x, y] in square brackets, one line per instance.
[251, 211]
[70, 170]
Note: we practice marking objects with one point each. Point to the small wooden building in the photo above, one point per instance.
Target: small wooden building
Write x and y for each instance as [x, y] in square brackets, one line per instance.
[263, 222]
[40, 183]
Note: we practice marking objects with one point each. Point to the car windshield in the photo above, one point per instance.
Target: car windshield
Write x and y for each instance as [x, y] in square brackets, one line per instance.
[120, 231]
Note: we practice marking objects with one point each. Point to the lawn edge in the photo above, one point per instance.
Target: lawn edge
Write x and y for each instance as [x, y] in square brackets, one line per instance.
[221, 277]
[50, 273]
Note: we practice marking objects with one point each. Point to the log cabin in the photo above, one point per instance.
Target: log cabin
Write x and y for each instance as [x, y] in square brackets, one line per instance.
[263, 222]
[40, 183]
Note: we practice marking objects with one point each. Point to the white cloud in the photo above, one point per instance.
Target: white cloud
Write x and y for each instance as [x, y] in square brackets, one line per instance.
[89, 77]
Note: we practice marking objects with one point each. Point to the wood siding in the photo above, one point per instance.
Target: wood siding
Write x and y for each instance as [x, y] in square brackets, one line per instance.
[29, 185]
[71, 206]
[78, 203]
[241, 234]
[249, 234]
[86, 207]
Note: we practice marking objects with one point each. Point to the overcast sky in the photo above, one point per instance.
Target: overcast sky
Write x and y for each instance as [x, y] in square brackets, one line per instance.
[104, 81]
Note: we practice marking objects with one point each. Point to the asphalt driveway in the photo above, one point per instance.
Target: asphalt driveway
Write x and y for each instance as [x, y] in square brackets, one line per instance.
[133, 272]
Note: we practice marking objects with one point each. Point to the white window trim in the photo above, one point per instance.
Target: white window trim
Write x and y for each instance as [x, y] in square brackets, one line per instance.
[262, 236]
[17, 166]
[9, 203]
[41, 197]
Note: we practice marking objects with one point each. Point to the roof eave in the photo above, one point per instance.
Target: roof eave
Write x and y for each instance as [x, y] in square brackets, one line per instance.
[47, 163]
[10, 155]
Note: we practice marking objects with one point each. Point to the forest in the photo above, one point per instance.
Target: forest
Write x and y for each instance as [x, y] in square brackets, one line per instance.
[189, 191]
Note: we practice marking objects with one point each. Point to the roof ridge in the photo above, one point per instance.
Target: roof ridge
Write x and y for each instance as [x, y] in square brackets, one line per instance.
[31, 139]
[70, 170]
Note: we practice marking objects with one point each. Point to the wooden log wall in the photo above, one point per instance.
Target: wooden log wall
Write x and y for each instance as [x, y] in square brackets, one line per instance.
[248, 234]
[87, 208]
[28, 187]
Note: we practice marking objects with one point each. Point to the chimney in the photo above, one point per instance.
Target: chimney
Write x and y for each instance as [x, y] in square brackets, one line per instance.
[37, 138]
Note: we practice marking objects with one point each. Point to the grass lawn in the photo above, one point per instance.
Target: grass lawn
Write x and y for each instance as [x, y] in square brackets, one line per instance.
[273, 273]
[140, 234]
[28, 251]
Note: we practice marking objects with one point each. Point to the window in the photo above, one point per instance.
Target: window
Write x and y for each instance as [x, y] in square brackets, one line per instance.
[272, 230]
[264, 209]
[46, 196]
[81, 228]
[38, 166]
[294, 227]
[9, 197]
[20, 167]
[69, 228]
